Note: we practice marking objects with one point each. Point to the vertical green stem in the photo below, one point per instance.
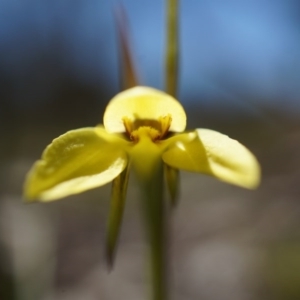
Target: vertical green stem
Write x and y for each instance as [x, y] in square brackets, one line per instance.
[172, 53]
[154, 210]
[172, 47]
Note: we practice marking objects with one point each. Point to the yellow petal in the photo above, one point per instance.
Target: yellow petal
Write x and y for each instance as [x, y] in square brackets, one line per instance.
[213, 153]
[79, 160]
[143, 103]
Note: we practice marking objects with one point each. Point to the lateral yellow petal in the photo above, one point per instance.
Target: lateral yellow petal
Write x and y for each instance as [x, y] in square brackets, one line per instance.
[76, 161]
[143, 103]
[215, 154]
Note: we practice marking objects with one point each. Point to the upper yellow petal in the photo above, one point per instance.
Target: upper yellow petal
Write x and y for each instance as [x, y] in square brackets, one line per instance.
[143, 103]
[79, 160]
[213, 153]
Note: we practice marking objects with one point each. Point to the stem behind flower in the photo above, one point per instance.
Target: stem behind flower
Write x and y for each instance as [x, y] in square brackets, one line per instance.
[155, 218]
[172, 47]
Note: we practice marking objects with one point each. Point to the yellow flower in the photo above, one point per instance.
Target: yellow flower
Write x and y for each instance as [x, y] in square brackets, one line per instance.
[141, 126]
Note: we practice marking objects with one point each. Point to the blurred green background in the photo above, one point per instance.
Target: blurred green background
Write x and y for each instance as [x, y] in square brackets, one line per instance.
[239, 74]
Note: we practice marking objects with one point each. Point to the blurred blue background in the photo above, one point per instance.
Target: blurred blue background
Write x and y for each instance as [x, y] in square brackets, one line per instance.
[231, 51]
[239, 74]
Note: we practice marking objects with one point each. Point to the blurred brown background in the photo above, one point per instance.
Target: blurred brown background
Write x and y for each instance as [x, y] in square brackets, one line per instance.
[240, 74]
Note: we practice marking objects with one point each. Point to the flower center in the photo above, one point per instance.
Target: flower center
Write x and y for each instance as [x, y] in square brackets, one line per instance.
[155, 129]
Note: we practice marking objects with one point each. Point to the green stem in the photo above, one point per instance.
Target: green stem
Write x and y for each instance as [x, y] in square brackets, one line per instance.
[172, 53]
[155, 216]
[172, 47]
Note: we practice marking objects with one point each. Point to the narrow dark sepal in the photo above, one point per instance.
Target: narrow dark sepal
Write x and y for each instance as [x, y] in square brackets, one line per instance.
[117, 205]
[129, 77]
[172, 177]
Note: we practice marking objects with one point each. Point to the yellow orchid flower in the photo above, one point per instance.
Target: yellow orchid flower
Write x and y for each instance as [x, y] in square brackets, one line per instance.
[141, 126]
[143, 130]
